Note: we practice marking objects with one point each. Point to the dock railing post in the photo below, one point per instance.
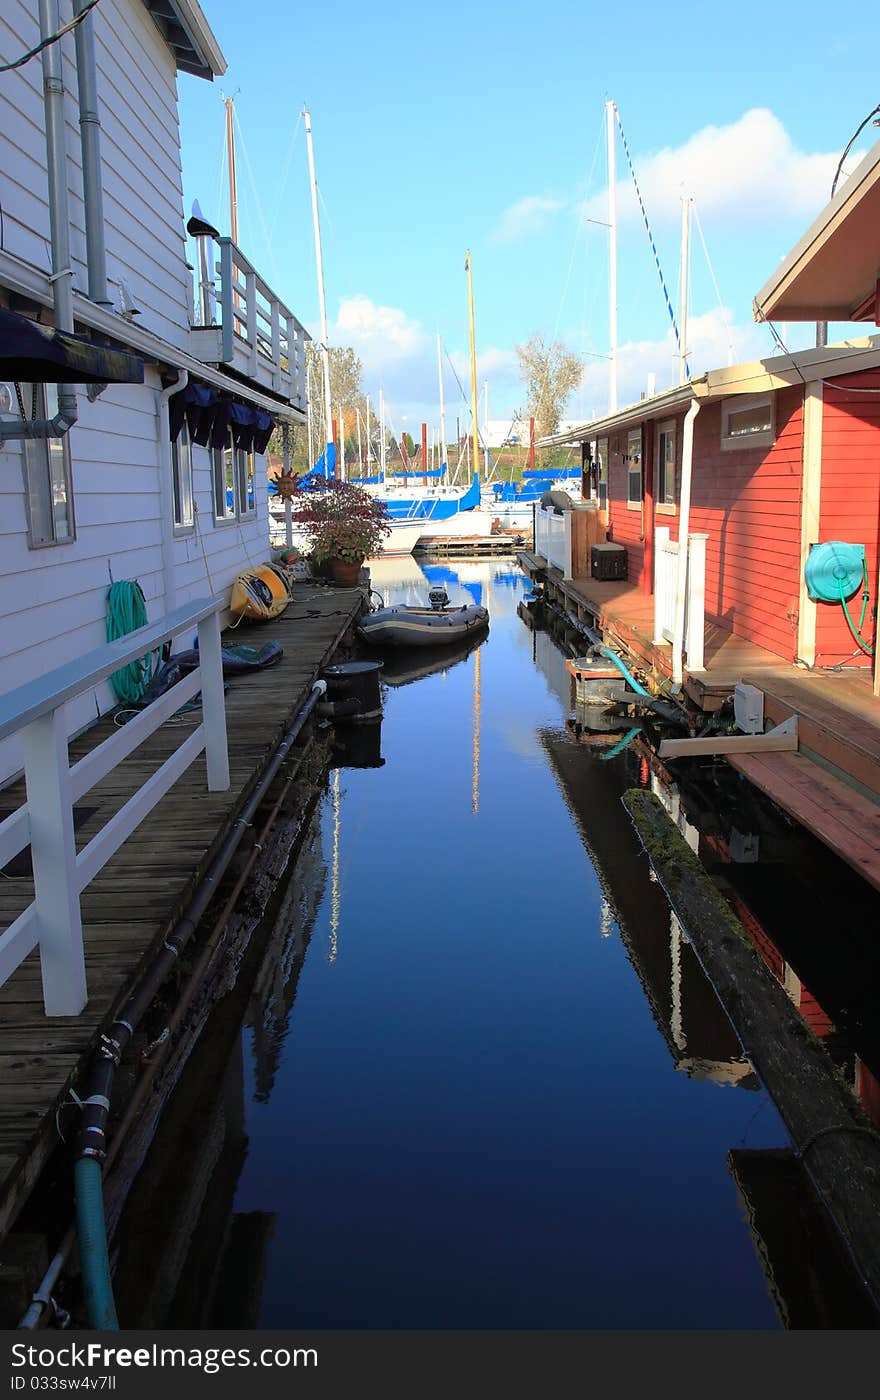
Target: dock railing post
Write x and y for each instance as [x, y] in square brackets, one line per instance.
[566, 545]
[661, 539]
[696, 601]
[213, 703]
[53, 856]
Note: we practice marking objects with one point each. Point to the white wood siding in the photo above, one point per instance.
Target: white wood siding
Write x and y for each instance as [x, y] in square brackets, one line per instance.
[56, 597]
[140, 152]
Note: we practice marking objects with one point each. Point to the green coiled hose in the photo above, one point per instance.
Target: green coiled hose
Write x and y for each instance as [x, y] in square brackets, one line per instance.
[126, 612]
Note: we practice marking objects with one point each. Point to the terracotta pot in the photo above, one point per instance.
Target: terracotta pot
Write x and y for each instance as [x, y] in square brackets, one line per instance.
[346, 571]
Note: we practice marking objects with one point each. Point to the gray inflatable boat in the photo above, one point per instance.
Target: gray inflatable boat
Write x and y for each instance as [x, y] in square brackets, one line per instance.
[420, 627]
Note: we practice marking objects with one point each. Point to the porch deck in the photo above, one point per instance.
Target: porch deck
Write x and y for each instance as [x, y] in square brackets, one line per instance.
[128, 907]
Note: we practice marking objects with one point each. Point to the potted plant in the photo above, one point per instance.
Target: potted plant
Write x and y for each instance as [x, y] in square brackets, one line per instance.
[344, 525]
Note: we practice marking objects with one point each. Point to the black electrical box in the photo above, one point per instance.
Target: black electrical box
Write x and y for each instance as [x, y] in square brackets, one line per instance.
[608, 561]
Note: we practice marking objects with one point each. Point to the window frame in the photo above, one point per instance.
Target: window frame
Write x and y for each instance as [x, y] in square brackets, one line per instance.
[241, 468]
[182, 527]
[602, 472]
[228, 515]
[742, 403]
[665, 501]
[635, 502]
[245, 482]
[40, 459]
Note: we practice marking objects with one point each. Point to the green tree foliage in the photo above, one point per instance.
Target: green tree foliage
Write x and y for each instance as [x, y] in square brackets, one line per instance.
[551, 373]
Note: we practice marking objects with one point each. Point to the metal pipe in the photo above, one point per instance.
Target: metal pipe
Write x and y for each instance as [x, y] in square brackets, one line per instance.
[59, 227]
[90, 139]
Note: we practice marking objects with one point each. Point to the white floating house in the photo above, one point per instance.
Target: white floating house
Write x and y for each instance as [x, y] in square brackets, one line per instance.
[133, 450]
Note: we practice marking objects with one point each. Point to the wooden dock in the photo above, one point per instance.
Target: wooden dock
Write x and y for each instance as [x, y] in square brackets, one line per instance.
[832, 784]
[128, 908]
[470, 546]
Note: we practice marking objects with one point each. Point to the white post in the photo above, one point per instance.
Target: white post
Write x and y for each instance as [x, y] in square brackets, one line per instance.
[683, 278]
[661, 539]
[696, 601]
[566, 545]
[684, 513]
[610, 114]
[213, 703]
[53, 854]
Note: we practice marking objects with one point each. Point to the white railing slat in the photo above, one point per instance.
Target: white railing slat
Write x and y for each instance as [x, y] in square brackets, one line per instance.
[15, 834]
[102, 760]
[17, 941]
[129, 817]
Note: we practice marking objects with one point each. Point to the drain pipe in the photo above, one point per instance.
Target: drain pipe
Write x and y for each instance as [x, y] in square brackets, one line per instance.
[59, 222]
[684, 513]
[90, 139]
[90, 1146]
[166, 487]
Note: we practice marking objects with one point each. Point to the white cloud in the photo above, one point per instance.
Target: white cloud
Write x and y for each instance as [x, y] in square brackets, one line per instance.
[749, 169]
[378, 333]
[526, 217]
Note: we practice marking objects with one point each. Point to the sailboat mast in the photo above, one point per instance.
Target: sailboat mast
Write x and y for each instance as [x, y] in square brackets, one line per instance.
[368, 435]
[382, 434]
[486, 427]
[230, 151]
[443, 461]
[683, 279]
[610, 117]
[473, 357]
[325, 340]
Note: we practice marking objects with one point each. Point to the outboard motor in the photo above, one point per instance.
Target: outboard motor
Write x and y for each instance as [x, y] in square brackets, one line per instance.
[438, 598]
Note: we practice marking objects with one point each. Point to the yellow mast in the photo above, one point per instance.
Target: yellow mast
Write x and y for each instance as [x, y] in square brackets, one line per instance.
[233, 194]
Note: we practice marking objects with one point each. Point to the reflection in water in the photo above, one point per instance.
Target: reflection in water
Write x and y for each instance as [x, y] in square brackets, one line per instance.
[470, 1119]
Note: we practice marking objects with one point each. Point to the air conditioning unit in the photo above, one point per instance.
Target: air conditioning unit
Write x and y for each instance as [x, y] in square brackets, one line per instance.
[608, 561]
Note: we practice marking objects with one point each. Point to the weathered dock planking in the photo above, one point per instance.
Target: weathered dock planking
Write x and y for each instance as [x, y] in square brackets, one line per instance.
[129, 906]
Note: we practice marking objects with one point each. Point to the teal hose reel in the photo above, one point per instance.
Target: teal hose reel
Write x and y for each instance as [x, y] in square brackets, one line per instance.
[834, 571]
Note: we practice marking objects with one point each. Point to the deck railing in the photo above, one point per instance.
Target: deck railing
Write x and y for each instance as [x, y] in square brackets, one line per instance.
[255, 332]
[52, 921]
[666, 584]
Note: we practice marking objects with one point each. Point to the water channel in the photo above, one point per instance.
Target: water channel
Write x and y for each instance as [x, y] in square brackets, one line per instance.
[481, 1080]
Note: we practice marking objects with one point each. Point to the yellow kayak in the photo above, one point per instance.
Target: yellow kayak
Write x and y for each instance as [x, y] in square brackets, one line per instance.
[260, 593]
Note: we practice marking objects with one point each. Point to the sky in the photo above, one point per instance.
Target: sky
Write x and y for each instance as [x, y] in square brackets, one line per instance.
[481, 127]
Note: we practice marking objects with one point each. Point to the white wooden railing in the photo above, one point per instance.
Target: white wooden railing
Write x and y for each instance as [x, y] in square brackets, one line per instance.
[666, 584]
[255, 332]
[553, 538]
[52, 921]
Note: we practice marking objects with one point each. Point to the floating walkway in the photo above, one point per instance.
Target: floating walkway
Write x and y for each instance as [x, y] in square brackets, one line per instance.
[129, 906]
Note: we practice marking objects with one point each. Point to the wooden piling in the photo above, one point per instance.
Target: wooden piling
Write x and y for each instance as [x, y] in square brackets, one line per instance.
[838, 1148]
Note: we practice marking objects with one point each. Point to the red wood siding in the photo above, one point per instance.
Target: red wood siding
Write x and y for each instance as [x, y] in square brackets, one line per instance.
[850, 500]
[625, 526]
[749, 504]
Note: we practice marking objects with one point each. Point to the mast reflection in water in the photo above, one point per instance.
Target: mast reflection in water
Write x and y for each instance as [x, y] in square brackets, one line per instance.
[505, 1095]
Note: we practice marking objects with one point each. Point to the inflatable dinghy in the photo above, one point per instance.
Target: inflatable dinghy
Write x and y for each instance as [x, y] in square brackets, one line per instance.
[406, 626]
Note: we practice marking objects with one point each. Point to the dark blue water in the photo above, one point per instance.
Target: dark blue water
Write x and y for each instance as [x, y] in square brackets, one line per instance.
[503, 1095]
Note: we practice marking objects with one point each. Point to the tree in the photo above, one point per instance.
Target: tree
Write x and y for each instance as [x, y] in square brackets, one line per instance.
[346, 372]
[551, 374]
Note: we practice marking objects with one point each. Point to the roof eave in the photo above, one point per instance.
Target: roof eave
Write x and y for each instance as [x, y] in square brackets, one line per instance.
[189, 37]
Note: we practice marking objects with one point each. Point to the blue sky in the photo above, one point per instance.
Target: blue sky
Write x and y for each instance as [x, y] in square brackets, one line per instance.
[481, 127]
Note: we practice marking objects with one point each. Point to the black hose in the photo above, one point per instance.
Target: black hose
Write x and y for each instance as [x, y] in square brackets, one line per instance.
[91, 1135]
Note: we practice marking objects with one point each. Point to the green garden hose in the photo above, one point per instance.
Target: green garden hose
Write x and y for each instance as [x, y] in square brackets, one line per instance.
[126, 612]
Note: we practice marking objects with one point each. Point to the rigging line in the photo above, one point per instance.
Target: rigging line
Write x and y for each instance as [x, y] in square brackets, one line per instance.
[721, 306]
[648, 227]
[51, 39]
[250, 173]
[579, 227]
[288, 160]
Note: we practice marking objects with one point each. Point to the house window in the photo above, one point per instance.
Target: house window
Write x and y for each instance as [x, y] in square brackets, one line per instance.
[247, 482]
[602, 472]
[46, 466]
[747, 421]
[634, 467]
[666, 464]
[182, 478]
[235, 482]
